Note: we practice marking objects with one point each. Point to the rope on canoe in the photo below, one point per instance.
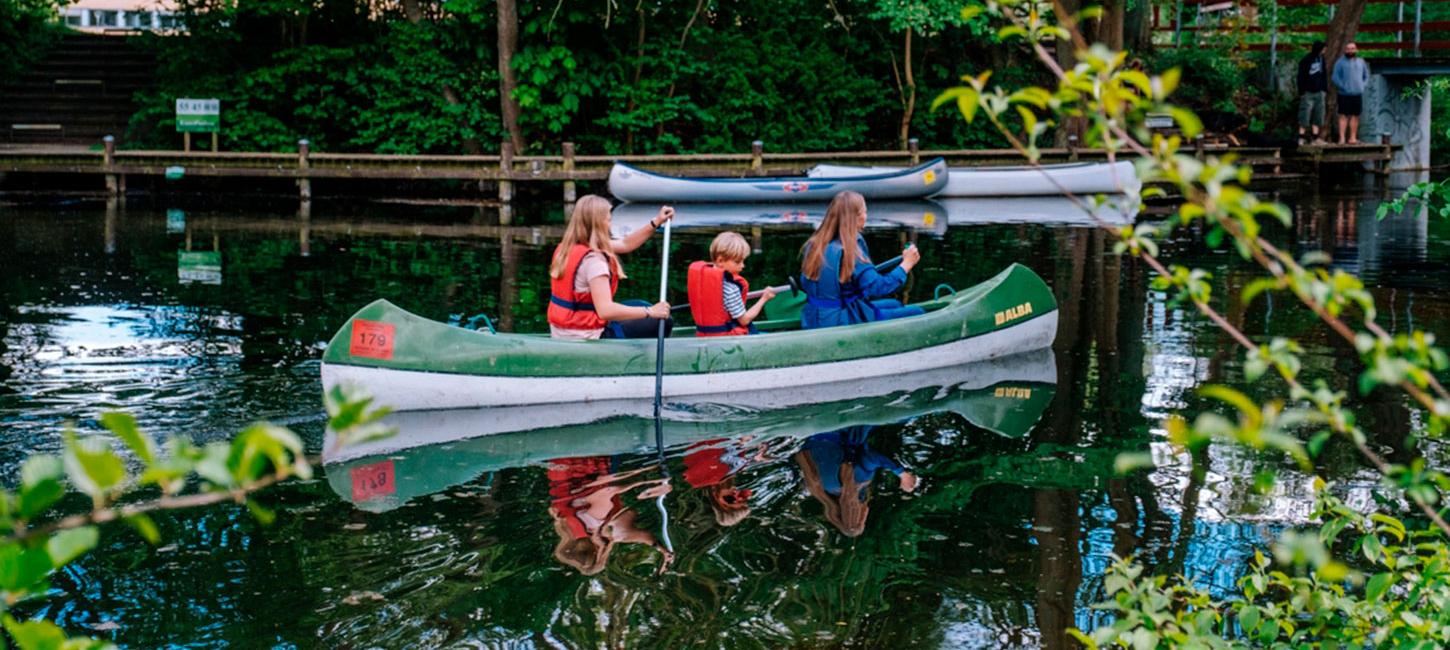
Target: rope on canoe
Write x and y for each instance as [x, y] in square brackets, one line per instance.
[936, 293]
[473, 322]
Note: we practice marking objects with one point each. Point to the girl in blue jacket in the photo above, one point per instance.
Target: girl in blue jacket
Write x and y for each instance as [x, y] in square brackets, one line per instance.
[841, 284]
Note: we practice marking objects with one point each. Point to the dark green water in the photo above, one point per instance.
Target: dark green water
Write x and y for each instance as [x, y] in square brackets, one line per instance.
[1002, 542]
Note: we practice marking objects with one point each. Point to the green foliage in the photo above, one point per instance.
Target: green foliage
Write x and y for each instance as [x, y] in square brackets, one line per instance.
[39, 539]
[1395, 594]
[1310, 598]
[27, 28]
[796, 74]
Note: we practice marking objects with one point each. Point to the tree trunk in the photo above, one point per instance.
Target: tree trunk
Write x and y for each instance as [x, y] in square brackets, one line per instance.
[684, 35]
[414, 13]
[1110, 26]
[508, 42]
[1064, 10]
[909, 102]
[1342, 30]
[1137, 29]
[638, 73]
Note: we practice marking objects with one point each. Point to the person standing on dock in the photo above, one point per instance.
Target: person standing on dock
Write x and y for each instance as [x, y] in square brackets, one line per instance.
[1351, 74]
[1313, 80]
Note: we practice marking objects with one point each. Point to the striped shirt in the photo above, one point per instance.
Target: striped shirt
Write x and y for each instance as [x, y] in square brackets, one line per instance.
[734, 302]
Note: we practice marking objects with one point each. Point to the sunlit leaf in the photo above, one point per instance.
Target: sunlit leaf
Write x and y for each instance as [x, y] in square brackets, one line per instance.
[67, 545]
[124, 426]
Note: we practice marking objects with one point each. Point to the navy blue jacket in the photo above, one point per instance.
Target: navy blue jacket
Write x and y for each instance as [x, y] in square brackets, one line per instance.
[830, 304]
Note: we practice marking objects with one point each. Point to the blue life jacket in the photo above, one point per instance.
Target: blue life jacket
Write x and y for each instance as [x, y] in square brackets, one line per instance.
[830, 302]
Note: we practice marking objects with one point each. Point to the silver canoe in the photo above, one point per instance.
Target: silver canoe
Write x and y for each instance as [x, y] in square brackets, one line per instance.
[1051, 210]
[928, 217]
[1078, 178]
[633, 184]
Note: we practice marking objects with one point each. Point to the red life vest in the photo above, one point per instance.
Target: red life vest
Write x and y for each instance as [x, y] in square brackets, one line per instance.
[706, 283]
[570, 309]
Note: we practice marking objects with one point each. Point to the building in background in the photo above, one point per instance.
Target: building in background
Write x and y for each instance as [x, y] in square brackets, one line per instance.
[122, 15]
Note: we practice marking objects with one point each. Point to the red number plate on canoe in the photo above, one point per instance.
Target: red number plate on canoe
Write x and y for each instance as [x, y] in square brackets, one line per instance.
[372, 339]
[372, 481]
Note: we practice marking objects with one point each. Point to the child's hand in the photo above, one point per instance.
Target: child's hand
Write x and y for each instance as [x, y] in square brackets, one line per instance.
[769, 293]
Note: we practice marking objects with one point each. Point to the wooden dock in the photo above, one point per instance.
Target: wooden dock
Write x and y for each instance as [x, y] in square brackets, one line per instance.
[567, 168]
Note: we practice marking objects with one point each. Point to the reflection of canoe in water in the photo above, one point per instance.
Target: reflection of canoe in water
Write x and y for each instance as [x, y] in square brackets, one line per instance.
[633, 184]
[923, 215]
[433, 450]
[1078, 178]
[1033, 209]
[412, 363]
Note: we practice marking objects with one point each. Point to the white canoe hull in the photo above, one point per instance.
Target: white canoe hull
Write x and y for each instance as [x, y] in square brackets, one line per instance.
[923, 216]
[421, 390]
[425, 428]
[1078, 178]
[1050, 210]
[637, 185]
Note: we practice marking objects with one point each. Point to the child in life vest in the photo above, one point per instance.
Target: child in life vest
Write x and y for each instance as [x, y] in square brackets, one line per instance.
[585, 273]
[718, 292]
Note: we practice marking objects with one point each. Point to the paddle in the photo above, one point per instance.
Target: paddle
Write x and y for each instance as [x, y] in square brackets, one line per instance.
[659, 390]
[880, 268]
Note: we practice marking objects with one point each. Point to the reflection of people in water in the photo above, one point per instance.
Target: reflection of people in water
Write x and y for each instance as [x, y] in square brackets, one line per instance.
[837, 468]
[589, 513]
[712, 465]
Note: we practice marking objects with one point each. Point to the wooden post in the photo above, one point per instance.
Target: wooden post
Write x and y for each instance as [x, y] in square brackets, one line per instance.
[1418, 22]
[108, 162]
[1273, 48]
[1178, 25]
[1198, 146]
[505, 165]
[756, 235]
[757, 165]
[914, 146]
[304, 184]
[570, 192]
[1384, 165]
[213, 142]
[186, 141]
[1072, 147]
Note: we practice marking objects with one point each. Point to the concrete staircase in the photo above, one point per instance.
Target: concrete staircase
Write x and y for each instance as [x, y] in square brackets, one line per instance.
[78, 93]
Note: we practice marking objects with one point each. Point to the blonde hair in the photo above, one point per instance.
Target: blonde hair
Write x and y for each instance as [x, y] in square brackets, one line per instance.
[729, 246]
[848, 510]
[588, 226]
[841, 223]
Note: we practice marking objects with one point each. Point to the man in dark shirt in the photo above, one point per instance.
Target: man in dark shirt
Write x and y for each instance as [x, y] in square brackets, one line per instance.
[1312, 83]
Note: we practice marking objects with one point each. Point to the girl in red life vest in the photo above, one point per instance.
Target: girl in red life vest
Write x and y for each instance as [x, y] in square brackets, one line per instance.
[585, 273]
[718, 291]
[587, 506]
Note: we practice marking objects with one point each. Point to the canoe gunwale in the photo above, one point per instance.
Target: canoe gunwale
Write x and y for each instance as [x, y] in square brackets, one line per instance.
[752, 180]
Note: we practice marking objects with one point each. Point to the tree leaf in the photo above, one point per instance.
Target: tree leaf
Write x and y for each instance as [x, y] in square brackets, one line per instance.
[145, 527]
[91, 465]
[1378, 585]
[124, 426]
[35, 635]
[70, 544]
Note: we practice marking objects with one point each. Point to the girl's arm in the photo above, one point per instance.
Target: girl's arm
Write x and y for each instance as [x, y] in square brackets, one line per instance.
[876, 285]
[754, 311]
[639, 237]
[609, 310]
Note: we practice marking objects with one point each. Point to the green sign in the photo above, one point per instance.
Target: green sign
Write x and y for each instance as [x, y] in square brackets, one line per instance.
[198, 115]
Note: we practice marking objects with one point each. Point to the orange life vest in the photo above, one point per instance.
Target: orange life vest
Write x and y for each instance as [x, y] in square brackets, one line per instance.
[570, 309]
[706, 283]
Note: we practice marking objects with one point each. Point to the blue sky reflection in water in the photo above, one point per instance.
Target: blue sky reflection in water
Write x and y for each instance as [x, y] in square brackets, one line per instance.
[1001, 540]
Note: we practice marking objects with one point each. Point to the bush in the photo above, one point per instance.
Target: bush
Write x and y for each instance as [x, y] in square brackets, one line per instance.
[27, 28]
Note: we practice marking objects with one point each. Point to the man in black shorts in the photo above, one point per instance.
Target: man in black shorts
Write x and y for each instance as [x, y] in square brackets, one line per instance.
[1351, 75]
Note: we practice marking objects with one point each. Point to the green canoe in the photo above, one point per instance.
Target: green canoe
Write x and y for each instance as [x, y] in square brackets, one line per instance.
[433, 450]
[409, 362]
